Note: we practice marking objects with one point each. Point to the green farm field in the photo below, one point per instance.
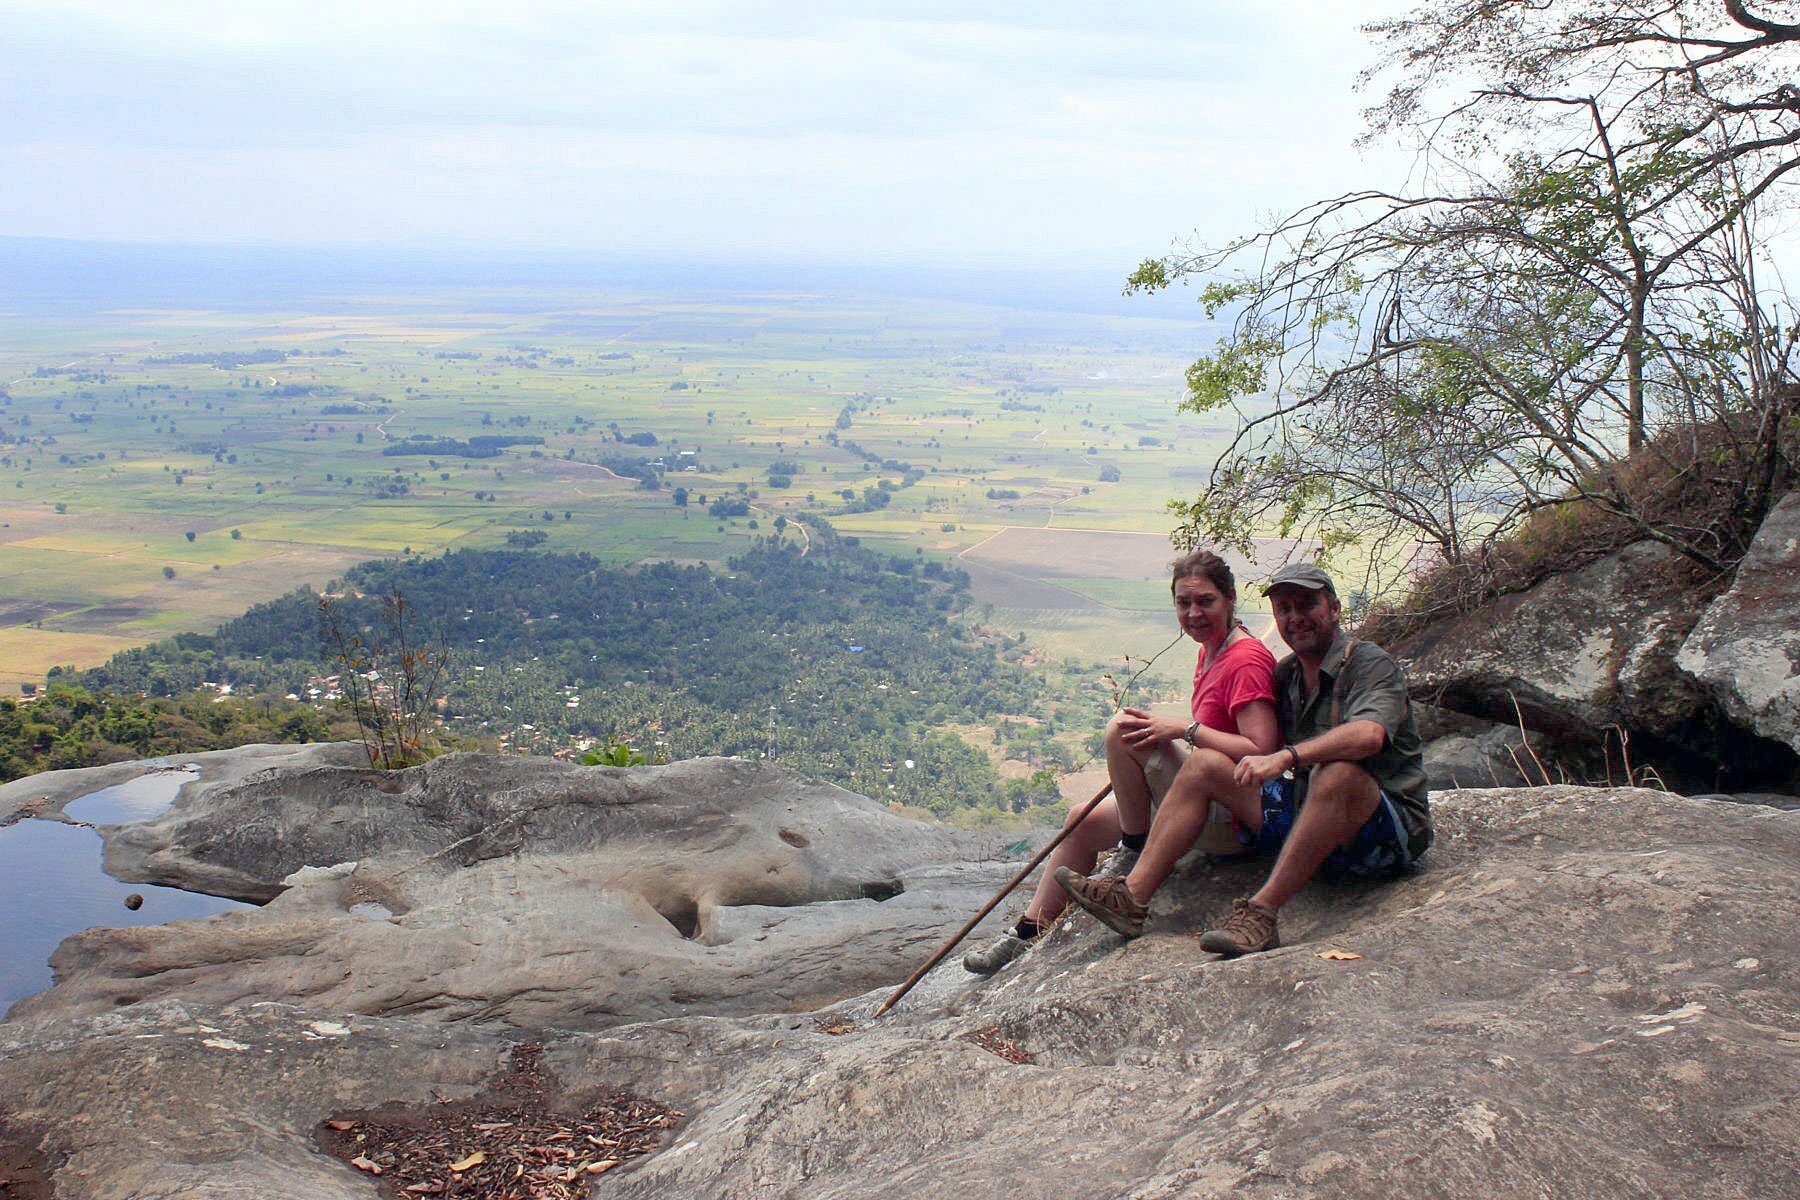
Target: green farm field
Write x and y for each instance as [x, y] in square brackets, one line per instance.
[160, 471]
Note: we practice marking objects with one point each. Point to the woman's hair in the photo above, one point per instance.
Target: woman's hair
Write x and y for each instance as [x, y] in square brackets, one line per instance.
[1206, 565]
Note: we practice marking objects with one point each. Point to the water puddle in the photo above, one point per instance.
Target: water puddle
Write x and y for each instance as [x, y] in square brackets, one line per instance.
[51, 884]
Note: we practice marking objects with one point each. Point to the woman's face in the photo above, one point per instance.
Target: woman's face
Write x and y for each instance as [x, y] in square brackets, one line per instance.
[1203, 611]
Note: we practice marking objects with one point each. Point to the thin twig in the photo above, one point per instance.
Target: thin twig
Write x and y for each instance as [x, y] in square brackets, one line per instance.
[1526, 735]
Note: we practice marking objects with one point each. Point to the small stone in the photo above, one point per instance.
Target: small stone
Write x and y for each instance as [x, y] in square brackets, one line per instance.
[134, 901]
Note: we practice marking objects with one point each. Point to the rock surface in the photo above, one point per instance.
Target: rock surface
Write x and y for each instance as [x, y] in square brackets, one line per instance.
[1496, 757]
[1746, 646]
[1635, 656]
[1579, 652]
[1583, 993]
[527, 891]
[49, 791]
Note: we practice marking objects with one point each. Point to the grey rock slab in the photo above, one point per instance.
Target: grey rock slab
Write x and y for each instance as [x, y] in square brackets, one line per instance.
[1497, 757]
[1583, 992]
[1771, 799]
[531, 893]
[766, 834]
[160, 1102]
[1746, 645]
[1580, 651]
[49, 791]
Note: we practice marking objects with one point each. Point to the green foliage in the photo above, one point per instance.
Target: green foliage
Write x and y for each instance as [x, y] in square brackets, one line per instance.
[70, 726]
[614, 754]
[1151, 275]
[1238, 366]
[1432, 367]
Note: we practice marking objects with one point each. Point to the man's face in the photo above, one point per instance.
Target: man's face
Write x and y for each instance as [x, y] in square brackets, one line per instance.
[1306, 617]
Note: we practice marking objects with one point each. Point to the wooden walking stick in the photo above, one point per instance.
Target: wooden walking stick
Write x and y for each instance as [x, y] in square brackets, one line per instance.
[1002, 894]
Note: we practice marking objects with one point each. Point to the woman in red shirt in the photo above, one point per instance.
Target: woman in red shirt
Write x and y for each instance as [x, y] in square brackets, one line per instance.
[1232, 711]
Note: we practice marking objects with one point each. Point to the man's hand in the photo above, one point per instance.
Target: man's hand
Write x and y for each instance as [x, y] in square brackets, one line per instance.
[1143, 730]
[1254, 770]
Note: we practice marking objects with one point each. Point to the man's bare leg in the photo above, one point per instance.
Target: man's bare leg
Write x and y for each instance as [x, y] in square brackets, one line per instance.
[1339, 800]
[1205, 778]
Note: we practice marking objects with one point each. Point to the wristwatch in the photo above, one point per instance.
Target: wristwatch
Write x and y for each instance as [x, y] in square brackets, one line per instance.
[1189, 733]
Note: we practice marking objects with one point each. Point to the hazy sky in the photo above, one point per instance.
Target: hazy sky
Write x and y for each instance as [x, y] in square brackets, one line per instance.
[1062, 133]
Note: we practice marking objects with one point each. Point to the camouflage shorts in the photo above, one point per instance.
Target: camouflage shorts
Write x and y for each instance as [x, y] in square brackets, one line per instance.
[1379, 851]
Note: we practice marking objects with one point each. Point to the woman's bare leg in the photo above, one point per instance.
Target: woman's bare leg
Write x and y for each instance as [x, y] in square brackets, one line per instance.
[1078, 852]
[1127, 810]
[1125, 767]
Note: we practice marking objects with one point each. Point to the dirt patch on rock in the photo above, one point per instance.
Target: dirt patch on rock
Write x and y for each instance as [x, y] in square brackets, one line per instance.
[31, 808]
[24, 1172]
[519, 1140]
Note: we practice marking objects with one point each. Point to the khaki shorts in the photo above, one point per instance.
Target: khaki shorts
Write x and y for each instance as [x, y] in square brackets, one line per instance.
[1220, 837]
[1160, 770]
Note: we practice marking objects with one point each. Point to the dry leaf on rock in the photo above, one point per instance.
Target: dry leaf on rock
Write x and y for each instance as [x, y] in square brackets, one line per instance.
[1339, 955]
[474, 1160]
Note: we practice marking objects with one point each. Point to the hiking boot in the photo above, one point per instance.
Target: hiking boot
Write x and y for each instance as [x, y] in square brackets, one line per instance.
[1108, 899]
[1247, 929]
[1116, 864]
[1004, 949]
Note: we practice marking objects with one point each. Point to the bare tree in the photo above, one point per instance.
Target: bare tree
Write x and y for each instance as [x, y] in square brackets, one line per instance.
[389, 677]
[1572, 306]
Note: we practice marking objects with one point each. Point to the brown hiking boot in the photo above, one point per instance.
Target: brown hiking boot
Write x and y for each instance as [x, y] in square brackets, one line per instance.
[1248, 929]
[1108, 899]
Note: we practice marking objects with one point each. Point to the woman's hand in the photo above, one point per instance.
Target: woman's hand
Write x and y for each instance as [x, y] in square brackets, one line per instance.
[1257, 769]
[1143, 730]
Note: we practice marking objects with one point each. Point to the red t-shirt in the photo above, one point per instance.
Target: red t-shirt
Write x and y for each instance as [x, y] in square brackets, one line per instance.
[1243, 671]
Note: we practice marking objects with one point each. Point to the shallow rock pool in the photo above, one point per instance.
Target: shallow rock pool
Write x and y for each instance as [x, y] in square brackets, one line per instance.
[51, 884]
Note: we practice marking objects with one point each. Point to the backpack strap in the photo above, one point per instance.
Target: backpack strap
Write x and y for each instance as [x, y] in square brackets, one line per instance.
[1337, 691]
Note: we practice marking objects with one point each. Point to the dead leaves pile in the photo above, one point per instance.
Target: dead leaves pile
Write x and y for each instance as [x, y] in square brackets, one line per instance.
[989, 1039]
[510, 1145]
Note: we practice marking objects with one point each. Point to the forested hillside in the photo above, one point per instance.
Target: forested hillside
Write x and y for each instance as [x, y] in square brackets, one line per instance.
[75, 727]
[842, 663]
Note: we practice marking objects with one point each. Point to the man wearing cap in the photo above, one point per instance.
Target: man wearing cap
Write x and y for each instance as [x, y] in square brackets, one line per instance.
[1345, 794]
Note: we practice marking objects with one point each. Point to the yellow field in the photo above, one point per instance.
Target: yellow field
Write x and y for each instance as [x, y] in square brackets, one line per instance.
[25, 654]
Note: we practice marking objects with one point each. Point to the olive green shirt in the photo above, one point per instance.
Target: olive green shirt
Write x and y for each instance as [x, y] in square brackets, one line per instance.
[1372, 688]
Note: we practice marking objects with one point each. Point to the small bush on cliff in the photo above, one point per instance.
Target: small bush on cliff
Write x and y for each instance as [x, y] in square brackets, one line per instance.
[1674, 483]
[618, 754]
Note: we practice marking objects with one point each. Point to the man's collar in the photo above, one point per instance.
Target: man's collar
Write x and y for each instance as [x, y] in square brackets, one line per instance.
[1335, 653]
